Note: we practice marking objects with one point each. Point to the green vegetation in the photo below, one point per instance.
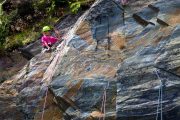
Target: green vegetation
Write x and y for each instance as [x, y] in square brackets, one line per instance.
[20, 39]
[75, 5]
[28, 35]
[72, 5]
[44, 13]
[5, 20]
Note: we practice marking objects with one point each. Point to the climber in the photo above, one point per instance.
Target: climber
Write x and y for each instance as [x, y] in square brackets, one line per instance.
[47, 40]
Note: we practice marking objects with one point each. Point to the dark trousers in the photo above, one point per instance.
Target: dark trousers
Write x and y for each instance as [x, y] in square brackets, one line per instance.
[50, 45]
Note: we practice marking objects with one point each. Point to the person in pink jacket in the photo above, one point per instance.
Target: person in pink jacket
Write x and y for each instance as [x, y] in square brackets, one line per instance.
[47, 40]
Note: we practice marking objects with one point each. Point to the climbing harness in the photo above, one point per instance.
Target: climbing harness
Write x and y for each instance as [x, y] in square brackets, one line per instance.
[160, 99]
[103, 106]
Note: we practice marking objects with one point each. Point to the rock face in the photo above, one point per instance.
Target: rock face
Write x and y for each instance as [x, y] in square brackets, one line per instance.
[115, 63]
[10, 65]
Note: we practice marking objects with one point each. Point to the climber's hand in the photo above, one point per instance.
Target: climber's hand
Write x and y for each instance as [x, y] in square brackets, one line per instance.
[48, 49]
[56, 32]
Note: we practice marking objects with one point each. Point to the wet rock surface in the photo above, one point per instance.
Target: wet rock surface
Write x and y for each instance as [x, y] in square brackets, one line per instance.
[108, 67]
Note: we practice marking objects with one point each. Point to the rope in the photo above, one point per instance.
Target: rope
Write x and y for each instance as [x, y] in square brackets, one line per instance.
[57, 59]
[103, 106]
[124, 24]
[108, 34]
[120, 7]
[160, 96]
[45, 100]
[51, 75]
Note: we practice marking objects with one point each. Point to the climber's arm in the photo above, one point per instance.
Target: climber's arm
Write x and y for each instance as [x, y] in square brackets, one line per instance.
[58, 35]
[46, 44]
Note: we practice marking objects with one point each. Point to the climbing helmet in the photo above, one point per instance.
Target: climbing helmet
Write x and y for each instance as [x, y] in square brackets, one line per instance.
[46, 28]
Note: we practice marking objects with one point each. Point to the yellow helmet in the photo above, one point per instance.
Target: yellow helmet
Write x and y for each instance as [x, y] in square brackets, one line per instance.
[46, 28]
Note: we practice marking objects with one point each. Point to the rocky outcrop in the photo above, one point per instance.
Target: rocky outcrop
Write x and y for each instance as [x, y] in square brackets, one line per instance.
[10, 65]
[110, 66]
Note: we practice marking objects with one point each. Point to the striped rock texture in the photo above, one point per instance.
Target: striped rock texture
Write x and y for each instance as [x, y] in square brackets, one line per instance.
[116, 63]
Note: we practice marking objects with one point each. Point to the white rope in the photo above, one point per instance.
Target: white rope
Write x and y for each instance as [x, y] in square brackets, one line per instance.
[103, 106]
[160, 96]
[44, 106]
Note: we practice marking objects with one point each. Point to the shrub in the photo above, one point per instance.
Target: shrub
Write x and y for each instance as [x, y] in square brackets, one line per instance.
[75, 5]
[5, 20]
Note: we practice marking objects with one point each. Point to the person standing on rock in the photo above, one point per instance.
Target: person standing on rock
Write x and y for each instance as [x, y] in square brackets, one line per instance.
[47, 40]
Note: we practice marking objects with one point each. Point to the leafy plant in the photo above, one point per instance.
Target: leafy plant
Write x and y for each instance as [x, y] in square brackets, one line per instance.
[44, 6]
[51, 9]
[74, 6]
[20, 39]
[5, 20]
[3, 25]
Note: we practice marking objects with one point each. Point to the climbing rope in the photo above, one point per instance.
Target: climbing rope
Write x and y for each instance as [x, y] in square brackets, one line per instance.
[124, 24]
[103, 106]
[160, 96]
[123, 16]
[44, 105]
[51, 75]
[122, 7]
[51, 68]
[59, 49]
[109, 41]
